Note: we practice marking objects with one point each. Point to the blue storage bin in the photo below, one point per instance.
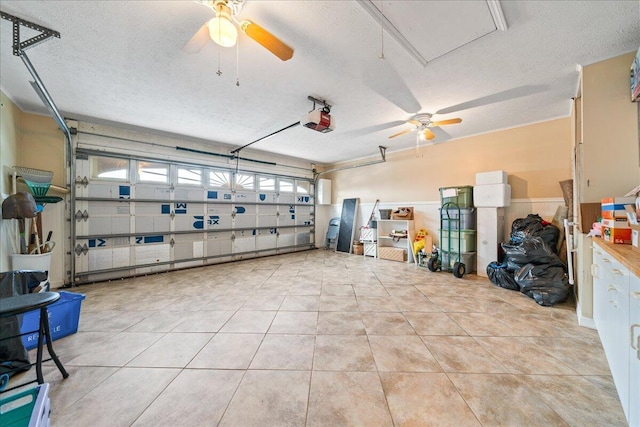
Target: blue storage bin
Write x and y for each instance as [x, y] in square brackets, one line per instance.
[64, 316]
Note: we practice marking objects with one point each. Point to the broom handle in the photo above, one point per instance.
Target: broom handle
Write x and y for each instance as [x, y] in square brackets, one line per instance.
[35, 227]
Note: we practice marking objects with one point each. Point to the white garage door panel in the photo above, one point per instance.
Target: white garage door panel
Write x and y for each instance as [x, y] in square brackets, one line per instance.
[287, 198]
[286, 238]
[188, 194]
[268, 209]
[245, 196]
[245, 209]
[220, 209]
[267, 221]
[244, 221]
[219, 243]
[108, 190]
[304, 198]
[153, 224]
[267, 197]
[303, 238]
[152, 192]
[108, 225]
[188, 246]
[217, 222]
[244, 244]
[149, 253]
[266, 241]
[287, 216]
[108, 258]
[218, 195]
[303, 219]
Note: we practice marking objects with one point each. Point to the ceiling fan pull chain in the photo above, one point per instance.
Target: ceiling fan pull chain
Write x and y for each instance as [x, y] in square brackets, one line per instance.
[219, 73]
[238, 63]
[381, 30]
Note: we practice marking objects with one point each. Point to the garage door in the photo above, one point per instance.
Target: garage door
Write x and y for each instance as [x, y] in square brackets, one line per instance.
[136, 216]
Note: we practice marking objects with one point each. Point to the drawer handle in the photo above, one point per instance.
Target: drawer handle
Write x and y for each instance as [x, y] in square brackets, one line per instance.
[616, 272]
[613, 300]
[635, 295]
[633, 345]
[595, 270]
[607, 260]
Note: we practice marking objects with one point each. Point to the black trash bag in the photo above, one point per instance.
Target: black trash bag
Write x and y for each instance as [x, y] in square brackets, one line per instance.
[546, 284]
[532, 250]
[533, 225]
[13, 356]
[499, 275]
[550, 235]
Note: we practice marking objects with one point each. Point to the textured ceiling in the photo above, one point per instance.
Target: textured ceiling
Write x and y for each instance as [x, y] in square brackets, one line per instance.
[122, 62]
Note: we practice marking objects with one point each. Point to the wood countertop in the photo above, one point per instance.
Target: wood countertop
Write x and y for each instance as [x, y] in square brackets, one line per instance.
[625, 254]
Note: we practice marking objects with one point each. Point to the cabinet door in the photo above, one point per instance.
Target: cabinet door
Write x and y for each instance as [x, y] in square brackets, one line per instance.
[615, 333]
[634, 352]
[600, 262]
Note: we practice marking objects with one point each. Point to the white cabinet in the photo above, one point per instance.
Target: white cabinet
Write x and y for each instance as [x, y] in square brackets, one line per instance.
[616, 309]
[390, 245]
[634, 351]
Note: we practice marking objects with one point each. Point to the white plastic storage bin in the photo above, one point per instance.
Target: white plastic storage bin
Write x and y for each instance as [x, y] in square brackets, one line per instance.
[492, 195]
[494, 177]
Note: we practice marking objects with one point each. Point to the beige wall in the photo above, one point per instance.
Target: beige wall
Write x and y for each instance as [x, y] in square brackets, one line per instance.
[611, 161]
[9, 122]
[42, 146]
[9, 135]
[535, 156]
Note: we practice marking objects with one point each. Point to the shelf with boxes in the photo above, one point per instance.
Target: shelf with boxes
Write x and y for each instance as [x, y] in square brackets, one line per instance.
[395, 240]
[368, 237]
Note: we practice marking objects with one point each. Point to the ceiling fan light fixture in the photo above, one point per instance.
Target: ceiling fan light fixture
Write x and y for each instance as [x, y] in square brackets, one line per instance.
[223, 31]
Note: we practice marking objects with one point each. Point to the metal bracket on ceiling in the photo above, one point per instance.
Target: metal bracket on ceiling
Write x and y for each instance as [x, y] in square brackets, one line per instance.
[326, 107]
[45, 33]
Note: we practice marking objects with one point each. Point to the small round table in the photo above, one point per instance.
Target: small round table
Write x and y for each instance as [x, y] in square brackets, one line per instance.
[28, 302]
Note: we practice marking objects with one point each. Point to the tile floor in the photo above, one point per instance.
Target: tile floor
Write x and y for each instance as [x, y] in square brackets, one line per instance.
[325, 339]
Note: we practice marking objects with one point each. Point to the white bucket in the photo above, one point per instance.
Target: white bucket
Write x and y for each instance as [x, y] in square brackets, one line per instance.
[37, 262]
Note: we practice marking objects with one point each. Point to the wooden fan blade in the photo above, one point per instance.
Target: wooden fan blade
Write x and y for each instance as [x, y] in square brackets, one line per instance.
[400, 133]
[199, 39]
[414, 122]
[428, 134]
[267, 40]
[446, 122]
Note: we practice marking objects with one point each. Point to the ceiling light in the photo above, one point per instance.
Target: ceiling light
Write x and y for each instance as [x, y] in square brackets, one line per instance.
[222, 31]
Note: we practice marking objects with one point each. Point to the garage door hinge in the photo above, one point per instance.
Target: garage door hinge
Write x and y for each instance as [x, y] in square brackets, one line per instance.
[79, 216]
[82, 181]
[81, 249]
[172, 242]
[233, 237]
[173, 215]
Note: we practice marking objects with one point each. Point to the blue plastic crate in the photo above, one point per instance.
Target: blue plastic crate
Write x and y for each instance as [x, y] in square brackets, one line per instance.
[30, 408]
[64, 316]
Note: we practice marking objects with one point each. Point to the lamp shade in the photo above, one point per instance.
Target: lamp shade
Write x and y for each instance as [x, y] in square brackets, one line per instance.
[222, 31]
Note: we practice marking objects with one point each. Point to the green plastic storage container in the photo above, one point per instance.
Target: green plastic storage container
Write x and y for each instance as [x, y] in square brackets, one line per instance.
[461, 196]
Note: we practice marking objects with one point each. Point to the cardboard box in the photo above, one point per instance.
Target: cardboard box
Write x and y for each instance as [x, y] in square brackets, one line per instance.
[611, 214]
[615, 223]
[589, 213]
[391, 253]
[492, 195]
[618, 200]
[494, 177]
[617, 235]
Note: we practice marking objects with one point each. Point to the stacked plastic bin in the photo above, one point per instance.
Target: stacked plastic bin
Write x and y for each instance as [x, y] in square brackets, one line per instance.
[458, 228]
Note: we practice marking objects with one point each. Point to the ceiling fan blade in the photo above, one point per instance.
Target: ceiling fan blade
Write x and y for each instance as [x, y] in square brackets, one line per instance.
[447, 122]
[267, 40]
[414, 122]
[428, 134]
[400, 133]
[199, 39]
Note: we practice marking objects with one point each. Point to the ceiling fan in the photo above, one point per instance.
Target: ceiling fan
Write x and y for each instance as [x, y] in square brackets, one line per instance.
[423, 122]
[222, 30]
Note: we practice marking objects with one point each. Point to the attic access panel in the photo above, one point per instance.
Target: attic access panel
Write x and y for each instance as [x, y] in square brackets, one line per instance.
[435, 28]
